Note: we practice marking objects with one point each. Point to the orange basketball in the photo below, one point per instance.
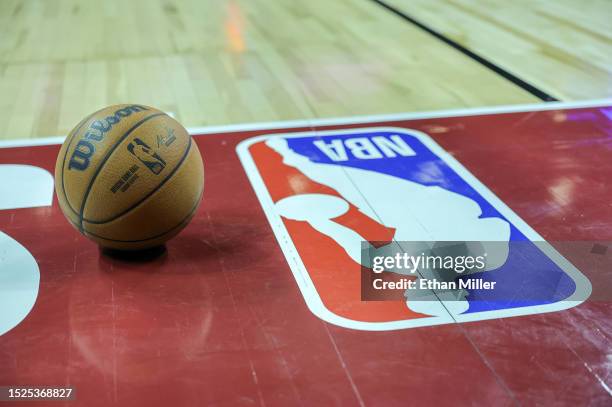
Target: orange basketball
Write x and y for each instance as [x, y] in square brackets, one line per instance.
[129, 177]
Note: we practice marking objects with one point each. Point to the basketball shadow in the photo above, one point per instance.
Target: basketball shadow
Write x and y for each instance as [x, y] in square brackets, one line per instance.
[205, 246]
[146, 261]
[135, 256]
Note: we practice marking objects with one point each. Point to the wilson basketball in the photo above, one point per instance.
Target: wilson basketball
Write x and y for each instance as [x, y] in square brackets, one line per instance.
[129, 177]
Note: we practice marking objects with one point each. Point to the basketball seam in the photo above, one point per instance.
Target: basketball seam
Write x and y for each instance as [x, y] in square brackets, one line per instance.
[105, 159]
[72, 136]
[195, 208]
[157, 188]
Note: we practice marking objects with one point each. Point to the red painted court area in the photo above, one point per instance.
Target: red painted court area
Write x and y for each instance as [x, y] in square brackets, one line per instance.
[218, 318]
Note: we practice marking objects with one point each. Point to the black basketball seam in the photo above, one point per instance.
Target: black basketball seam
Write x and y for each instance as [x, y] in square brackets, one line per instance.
[72, 136]
[157, 188]
[195, 207]
[105, 159]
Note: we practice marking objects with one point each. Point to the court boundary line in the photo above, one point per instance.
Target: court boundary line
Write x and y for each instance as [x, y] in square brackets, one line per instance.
[521, 83]
[364, 119]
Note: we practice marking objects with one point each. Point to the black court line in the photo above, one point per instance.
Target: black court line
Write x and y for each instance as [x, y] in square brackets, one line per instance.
[495, 68]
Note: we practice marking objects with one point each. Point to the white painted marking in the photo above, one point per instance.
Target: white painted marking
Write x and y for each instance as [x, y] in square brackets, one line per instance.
[24, 186]
[532, 107]
[21, 186]
[19, 279]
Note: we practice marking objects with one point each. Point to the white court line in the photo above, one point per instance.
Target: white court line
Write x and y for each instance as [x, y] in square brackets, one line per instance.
[43, 141]
[287, 124]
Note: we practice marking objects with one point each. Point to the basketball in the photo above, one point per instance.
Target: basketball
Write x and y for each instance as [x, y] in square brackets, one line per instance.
[129, 177]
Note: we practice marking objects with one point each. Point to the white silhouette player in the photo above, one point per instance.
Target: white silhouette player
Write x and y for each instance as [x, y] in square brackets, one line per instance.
[418, 213]
[21, 186]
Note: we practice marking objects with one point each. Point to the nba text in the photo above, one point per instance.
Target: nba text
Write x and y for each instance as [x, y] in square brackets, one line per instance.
[364, 148]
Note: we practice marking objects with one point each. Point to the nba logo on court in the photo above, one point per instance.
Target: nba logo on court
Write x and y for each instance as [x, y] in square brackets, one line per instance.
[326, 193]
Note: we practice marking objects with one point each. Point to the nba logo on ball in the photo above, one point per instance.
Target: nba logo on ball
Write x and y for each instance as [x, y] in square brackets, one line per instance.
[326, 193]
[145, 155]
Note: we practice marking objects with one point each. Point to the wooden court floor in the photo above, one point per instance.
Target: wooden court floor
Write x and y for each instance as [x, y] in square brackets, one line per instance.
[238, 61]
